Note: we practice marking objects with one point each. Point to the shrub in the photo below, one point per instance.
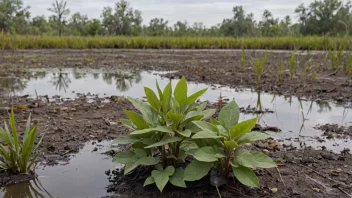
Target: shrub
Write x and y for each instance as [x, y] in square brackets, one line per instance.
[15, 156]
[219, 144]
[173, 126]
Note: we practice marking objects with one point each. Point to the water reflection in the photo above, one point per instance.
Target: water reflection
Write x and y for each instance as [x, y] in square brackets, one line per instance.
[27, 189]
[60, 81]
[123, 82]
[11, 85]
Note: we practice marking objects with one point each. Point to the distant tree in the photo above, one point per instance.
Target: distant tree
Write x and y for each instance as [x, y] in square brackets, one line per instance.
[124, 21]
[61, 12]
[240, 25]
[181, 28]
[13, 16]
[157, 27]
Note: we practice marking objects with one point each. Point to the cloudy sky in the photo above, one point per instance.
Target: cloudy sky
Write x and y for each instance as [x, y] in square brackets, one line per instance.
[210, 12]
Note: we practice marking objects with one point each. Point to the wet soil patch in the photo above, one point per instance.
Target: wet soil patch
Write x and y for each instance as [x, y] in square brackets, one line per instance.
[7, 178]
[300, 173]
[334, 130]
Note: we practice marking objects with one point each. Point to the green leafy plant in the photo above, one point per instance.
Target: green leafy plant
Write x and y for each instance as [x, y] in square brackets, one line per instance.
[219, 145]
[16, 156]
[160, 132]
[243, 60]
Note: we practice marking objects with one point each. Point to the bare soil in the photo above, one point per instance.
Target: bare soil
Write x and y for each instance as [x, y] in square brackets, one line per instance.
[304, 173]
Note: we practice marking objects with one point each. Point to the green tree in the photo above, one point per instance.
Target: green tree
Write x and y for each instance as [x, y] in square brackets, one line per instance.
[61, 12]
[13, 16]
[240, 25]
[124, 21]
[157, 27]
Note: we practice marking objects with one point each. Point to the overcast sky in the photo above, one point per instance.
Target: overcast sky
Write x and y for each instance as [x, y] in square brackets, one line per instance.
[210, 12]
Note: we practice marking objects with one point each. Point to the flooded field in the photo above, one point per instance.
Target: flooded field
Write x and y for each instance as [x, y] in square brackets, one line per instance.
[81, 107]
[297, 118]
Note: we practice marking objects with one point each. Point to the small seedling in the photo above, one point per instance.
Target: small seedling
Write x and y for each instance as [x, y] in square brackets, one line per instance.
[292, 65]
[226, 55]
[280, 68]
[88, 60]
[259, 68]
[243, 60]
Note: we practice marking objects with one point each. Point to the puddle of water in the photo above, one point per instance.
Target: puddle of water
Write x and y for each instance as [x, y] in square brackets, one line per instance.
[82, 177]
[296, 118]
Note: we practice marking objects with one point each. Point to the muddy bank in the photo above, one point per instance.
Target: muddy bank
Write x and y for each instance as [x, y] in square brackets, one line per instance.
[216, 67]
[301, 173]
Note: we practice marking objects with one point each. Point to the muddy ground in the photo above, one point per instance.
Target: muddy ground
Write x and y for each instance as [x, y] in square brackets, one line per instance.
[304, 173]
[219, 67]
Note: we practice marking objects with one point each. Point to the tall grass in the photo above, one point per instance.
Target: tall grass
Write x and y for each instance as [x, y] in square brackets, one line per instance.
[8, 41]
[349, 64]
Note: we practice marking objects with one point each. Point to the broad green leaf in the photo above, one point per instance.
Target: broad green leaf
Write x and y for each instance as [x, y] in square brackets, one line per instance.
[165, 140]
[207, 114]
[230, 145]
[160, 179]
[206, 126]
[229, 115]
[246, 176]
[176, 119]
[125, 157]
[196, 170]
[125, 140]
[149, 114]
[242, 128]
[181, 90]
[127, 123]
[223, 131]
[137, 119]
[252, 137]
[140, 153]
[206, 135]
[152, 98]
[169, 171]
[177, 178]
[159, 167]
[148, 161]
[208, 154]
[245, 158]
[167, 97]
[130, 167]
[159, 91]
[162, 129]
[148, 181]
[192, 98]
[263, 161]
[201, 107]
[5, 136]
[214, 121]
[185, 133]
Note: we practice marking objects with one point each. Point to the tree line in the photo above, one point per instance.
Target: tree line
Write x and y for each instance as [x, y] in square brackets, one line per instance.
[321, 17]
